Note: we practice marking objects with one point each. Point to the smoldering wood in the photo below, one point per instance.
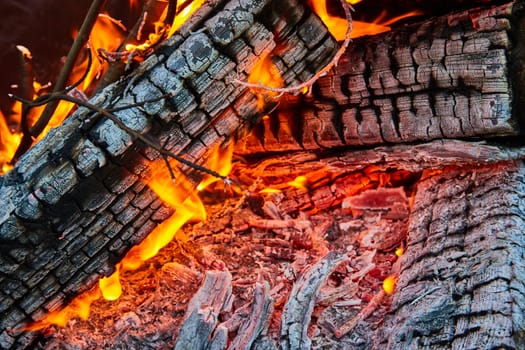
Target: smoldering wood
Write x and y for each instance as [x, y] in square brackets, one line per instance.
[76, 203]
[438, 154]
[202, 314]
[448, 313]
[298, 309]
[201, 327]
[455, 76]
[256, 324]
[462, 278]
[276, 254]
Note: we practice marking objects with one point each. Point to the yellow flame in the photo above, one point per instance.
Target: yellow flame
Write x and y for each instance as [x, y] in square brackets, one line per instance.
[300, 182]
[270, 190]
[182, 16]
[389, 284]
[399, 251]
[110, 286]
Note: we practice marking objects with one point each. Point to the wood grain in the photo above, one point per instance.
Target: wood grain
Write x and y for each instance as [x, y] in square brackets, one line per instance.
[76, 203]
[455, 76]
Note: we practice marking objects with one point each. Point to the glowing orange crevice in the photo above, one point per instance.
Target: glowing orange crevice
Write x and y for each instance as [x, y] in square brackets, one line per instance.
[389, 284]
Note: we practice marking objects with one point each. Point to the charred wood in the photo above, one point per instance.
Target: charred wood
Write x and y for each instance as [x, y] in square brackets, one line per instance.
[455, 76]
[462, 277]
[77, 202]
[202, 315]
[298, 309]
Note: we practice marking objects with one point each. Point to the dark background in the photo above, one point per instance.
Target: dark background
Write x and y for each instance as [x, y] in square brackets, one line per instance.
[45, 27]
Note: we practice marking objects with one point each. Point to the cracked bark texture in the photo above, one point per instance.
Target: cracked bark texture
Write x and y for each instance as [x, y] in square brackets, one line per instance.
[462, 281]
[455, 76]
[76, 202]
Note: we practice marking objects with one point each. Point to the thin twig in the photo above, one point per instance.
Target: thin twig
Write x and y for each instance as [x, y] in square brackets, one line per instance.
[117, 67]
[106, 113]
[296, 89]
[78, 44]
[26, 84]
[170, 12]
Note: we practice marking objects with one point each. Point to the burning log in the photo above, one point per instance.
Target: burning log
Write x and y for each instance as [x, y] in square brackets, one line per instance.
[456, 76]
[316, 204]
[77, 202]
[349, 297]
[462, 276]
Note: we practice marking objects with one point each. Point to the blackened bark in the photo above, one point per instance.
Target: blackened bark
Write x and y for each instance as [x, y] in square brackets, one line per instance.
[455, 76]
[76, 203]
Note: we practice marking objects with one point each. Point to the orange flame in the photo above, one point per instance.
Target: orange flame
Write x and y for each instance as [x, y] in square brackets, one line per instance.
[180, 197]
[106, 34]
[79, 307]
[184, 11]
[221, 160]
[379, 25]
[389, 284]
[265, 73]
[8, 143]
[338, 26]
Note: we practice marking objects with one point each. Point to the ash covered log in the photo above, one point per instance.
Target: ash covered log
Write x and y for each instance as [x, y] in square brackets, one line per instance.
[77, 202]
[455, 76]
[198, 330]
[462, 281]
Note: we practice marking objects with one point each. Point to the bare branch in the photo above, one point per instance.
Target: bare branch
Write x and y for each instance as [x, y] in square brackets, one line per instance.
[108, 114]
[63, 77]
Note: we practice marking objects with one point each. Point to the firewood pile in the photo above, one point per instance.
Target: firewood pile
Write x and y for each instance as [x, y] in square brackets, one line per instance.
[375, 205]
